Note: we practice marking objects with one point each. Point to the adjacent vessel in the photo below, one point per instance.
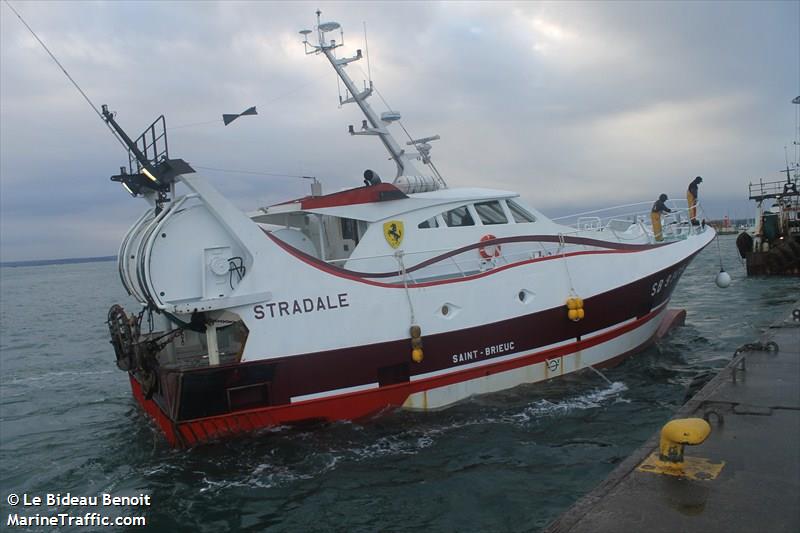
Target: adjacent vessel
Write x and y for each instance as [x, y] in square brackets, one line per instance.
[405, 294]
[773, 247]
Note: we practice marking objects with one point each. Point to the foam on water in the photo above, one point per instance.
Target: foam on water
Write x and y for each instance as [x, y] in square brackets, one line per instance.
[590, 400]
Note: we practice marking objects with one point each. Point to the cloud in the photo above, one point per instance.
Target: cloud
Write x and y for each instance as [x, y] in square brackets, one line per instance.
[569, 103]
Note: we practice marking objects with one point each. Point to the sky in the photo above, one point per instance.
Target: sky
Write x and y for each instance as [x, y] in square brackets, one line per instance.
[573, 105]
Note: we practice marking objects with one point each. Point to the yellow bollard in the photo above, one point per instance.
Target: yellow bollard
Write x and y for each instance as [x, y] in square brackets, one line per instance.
[678, 433]
[669, 459]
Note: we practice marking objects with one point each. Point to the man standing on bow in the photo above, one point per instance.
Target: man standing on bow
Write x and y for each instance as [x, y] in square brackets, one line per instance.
[691, 198]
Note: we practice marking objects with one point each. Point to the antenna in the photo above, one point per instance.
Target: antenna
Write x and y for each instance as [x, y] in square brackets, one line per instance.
[366, 50]
[796, 142]
[407, 163]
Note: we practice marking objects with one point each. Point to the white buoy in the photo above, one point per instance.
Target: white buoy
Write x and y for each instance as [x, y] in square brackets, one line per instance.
[723, 280]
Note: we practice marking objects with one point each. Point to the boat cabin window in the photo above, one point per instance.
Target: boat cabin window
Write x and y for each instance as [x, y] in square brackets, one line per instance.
[520, 215]
[349, 229]
[430, 223]
[491, 213]
[458, 217]
[340, 237]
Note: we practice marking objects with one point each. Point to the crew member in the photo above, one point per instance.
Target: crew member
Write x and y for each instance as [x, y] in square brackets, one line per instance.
[655, 216]
[691, 198]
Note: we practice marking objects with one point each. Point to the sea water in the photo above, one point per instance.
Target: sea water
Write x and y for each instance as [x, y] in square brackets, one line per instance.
[510, 461]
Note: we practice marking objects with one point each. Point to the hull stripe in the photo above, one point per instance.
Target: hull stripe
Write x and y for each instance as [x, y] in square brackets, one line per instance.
[361, 277]
[347, 390]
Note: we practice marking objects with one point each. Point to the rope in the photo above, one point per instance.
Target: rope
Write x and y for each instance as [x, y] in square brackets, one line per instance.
[719, 251]
[253, 172]
[57, 62]
[399, 256]
[562, 246]
[207, 122]
[366, 49]
[611, 383]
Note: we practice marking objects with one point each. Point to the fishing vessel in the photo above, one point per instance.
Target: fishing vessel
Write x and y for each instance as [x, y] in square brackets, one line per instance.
[395, 294]
[773, 247]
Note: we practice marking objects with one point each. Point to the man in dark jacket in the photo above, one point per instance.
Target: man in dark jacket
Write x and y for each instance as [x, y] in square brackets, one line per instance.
[691, 198]
[655, 216]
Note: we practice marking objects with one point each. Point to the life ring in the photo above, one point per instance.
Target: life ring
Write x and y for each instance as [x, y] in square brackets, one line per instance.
[493, 250]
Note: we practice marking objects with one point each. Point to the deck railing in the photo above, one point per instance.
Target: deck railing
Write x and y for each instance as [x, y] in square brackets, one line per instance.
[619, 220]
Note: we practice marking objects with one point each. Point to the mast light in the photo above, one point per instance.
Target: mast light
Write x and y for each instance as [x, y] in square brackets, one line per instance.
[149, 174]
[127, 188]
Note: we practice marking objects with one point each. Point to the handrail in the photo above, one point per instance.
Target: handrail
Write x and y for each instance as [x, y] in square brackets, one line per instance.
[599, 210]
[605, 223]
[614, 214]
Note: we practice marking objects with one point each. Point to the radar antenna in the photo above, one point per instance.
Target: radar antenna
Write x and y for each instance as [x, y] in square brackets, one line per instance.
[407, 162]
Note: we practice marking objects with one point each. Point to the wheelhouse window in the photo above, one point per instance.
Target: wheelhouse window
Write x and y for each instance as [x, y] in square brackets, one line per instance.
[491, 213]
[458, 217]
[430, 223]
[349, 229]
[520, 215]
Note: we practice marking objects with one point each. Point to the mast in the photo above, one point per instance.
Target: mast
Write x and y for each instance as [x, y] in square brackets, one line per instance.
[407, 163]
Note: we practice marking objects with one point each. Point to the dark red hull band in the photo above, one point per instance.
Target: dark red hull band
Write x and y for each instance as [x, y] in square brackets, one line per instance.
[363, 403]
[367, 277]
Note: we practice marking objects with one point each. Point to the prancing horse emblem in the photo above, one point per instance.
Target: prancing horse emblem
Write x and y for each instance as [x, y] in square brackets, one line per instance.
[393, 231]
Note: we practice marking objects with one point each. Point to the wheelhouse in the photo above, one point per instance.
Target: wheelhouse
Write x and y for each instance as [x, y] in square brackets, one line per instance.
[346, 229]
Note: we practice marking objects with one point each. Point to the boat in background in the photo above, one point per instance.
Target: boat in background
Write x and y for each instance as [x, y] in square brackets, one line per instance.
[405, 294]
[773, 247]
